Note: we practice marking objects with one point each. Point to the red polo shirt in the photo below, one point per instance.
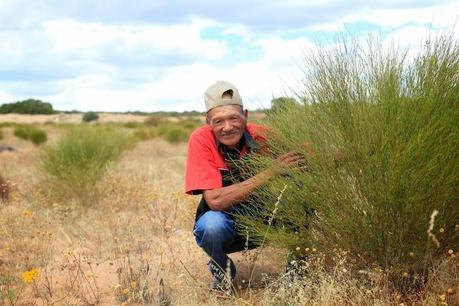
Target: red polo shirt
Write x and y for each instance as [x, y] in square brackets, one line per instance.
[205, 160]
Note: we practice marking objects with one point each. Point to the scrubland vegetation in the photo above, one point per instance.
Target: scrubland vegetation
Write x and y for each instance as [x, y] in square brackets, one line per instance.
[98, 216]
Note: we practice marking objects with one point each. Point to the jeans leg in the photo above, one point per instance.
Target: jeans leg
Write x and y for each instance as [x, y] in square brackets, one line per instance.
[215, 232]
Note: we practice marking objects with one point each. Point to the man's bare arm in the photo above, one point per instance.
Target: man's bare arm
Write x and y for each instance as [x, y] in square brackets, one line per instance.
[225, 197]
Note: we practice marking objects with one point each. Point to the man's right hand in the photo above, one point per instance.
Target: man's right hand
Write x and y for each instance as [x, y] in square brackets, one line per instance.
[291, 161]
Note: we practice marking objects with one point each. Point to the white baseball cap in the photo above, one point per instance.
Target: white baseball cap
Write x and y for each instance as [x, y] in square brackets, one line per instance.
[213, 97]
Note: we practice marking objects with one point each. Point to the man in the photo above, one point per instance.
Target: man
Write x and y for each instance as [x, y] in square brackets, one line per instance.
[210, 171]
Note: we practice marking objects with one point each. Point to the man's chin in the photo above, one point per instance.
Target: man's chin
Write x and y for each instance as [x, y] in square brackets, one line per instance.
[230, 141]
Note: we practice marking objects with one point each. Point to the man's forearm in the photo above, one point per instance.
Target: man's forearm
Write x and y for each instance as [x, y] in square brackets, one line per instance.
[225, 197]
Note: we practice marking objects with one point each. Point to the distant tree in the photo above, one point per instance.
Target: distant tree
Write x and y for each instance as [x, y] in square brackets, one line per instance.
[90, 116]
[29, 106]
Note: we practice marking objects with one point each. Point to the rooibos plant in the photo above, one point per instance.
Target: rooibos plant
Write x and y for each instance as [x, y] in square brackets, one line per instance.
[380, 131]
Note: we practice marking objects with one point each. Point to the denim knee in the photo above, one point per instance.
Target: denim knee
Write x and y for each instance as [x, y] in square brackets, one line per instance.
[214, 225]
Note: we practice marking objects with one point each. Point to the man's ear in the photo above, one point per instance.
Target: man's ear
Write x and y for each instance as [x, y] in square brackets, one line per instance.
[246, 114]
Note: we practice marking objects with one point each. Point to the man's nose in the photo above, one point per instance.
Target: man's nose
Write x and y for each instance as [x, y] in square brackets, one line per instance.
[227, 125]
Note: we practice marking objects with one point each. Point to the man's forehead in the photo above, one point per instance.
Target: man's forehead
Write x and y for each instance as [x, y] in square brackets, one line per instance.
[224, 110]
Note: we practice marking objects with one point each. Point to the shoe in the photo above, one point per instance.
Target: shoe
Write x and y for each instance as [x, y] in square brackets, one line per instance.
[222, 287]
[220, 281]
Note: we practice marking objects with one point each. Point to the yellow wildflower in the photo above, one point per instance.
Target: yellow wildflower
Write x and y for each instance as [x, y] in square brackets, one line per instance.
[30, 276]
[27, 213]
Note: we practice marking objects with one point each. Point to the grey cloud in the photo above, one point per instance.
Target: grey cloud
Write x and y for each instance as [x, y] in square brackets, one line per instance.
[258, 14]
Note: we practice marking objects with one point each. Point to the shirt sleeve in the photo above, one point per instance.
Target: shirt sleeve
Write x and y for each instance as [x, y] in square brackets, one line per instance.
[202, 171]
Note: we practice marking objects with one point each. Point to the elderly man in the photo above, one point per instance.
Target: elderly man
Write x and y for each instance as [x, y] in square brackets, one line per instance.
[210, 171]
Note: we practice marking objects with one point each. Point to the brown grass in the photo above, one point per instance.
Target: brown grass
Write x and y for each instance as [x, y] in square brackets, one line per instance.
[136, 246]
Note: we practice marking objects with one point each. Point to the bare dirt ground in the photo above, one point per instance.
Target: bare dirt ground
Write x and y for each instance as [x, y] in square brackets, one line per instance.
[135, 246]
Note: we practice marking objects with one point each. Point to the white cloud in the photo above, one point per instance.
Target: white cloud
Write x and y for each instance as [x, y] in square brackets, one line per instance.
[117, 58]
[437, 15]
[90, 39]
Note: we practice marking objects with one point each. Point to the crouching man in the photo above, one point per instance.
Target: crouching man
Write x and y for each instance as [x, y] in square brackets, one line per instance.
[210, 171]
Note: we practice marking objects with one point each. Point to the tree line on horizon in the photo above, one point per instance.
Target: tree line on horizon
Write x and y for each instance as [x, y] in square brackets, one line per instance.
[35, 106]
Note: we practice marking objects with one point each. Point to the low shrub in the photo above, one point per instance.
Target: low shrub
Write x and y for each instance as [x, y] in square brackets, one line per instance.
[190, 124]
[173, 132]
[145, 133]
[90, 116]
[27, 132]
[131, 124]
[1, 134]
[81, 157]
[154, 120]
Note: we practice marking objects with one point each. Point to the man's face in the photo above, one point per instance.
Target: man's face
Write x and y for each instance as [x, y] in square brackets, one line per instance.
[228, 124]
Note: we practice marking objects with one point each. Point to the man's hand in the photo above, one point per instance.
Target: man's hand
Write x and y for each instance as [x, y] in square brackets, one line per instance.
[291, 161]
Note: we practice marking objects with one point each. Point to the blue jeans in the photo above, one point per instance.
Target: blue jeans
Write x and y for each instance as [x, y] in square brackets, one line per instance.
[215, 232]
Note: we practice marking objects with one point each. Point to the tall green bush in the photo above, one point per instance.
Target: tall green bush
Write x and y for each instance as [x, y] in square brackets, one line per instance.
[380, 131]
[81, 157]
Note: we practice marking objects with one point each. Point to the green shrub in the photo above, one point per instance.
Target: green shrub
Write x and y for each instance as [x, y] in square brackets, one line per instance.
[145, 133]
[131, 124]
[30, 106]
[385, 133]
[176, 134]
[173, 132]
[1, 134]
[81, 157]
[90, 116]
[154, 120]
[31, 133]
[190, 124]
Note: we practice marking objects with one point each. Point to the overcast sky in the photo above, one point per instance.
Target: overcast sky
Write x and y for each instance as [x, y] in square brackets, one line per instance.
[151, 55]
